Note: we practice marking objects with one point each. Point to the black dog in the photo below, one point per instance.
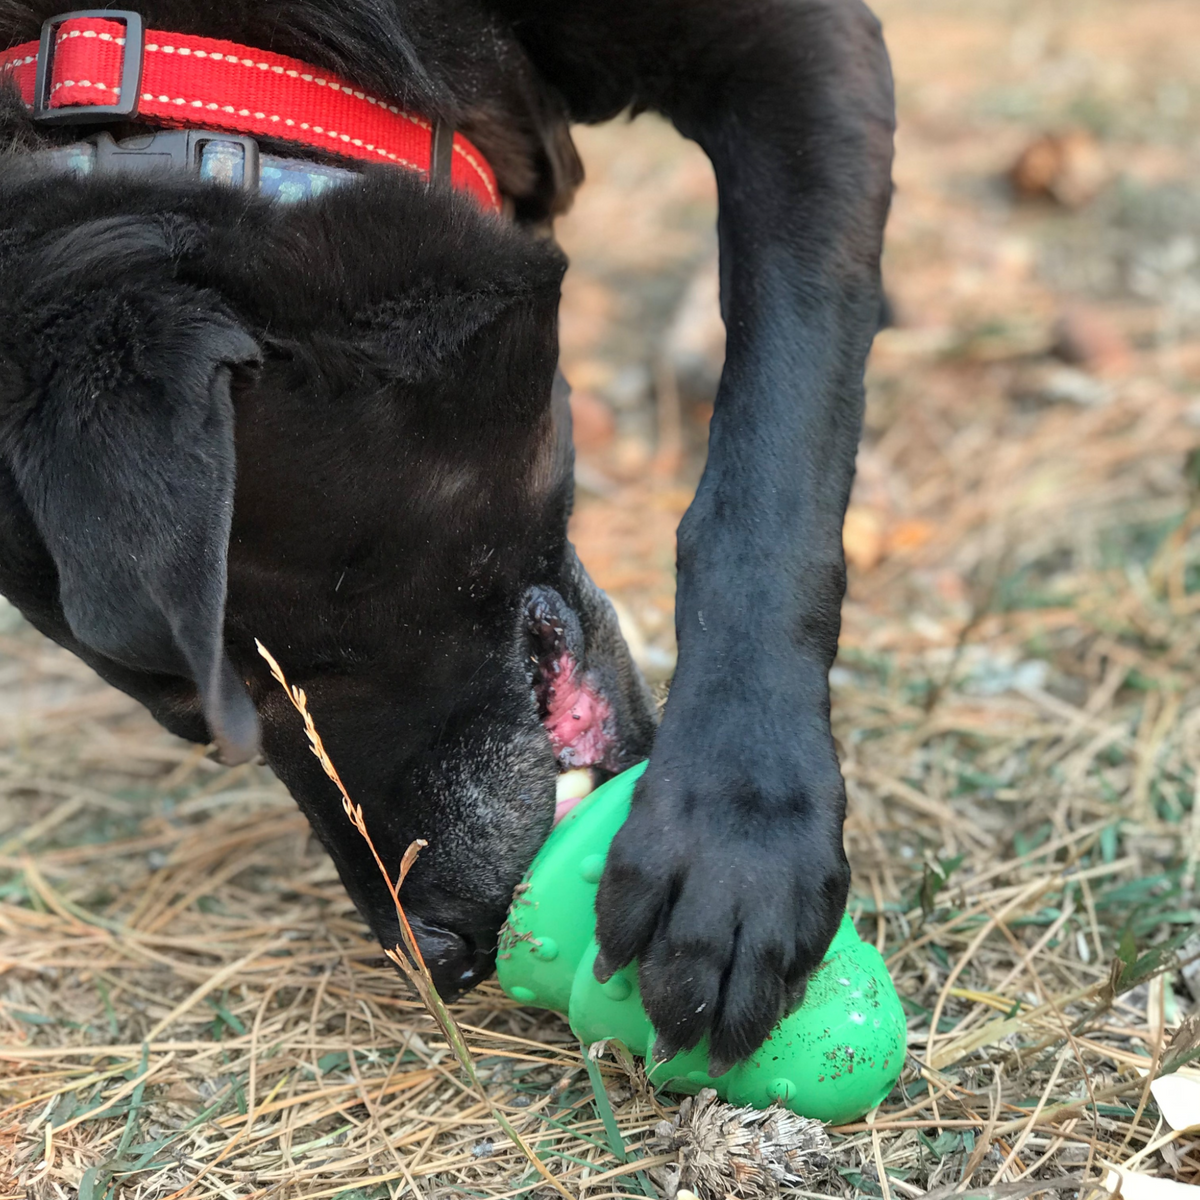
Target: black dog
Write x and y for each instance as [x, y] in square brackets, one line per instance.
[376, 368]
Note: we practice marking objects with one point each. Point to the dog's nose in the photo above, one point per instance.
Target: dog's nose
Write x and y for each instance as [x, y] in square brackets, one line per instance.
[456, 961]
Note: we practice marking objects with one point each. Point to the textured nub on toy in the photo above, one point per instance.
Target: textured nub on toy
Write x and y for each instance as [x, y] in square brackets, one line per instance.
[835, 1058]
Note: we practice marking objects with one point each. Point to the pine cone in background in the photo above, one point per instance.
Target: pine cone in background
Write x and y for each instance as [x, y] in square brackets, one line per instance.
[726, 1151]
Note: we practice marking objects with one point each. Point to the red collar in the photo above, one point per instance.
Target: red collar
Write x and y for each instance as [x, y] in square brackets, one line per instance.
[103, 67]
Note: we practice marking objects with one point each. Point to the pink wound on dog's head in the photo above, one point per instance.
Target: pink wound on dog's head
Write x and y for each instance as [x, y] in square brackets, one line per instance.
[578, 718]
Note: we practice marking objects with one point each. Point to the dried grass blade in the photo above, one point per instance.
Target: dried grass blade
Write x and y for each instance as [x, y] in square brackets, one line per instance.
[409, 959]
[1008, 1191]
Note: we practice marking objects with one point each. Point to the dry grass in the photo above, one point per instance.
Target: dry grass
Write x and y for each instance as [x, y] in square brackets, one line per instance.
[189, 1006]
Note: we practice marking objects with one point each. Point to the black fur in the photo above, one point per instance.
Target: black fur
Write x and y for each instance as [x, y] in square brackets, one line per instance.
[385, 356]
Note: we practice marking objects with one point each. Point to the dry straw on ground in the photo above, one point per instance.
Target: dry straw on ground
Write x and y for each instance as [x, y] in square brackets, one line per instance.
[191, 1008]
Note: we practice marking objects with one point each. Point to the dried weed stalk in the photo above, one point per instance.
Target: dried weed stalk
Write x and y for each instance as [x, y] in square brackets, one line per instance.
[408, 958]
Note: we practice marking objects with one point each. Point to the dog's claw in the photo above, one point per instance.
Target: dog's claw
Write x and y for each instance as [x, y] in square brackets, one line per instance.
[718, 1066]
[602, 969]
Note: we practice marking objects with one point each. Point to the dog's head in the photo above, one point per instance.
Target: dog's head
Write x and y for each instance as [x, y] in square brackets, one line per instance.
[335, 427]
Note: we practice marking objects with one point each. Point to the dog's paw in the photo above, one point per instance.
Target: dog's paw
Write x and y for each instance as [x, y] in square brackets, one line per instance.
[727, 883]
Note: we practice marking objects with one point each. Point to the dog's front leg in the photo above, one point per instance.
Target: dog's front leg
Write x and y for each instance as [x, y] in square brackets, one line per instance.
[729, 878]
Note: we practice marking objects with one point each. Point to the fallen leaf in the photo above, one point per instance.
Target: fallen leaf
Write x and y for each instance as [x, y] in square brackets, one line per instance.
[862, 537]
[593, 422]
[1068, 168]
[1133, 1186]
[909, 535]
[1089, 338]
[1178, 1099]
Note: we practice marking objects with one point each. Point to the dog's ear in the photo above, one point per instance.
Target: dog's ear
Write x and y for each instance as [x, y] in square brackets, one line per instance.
[120, 437]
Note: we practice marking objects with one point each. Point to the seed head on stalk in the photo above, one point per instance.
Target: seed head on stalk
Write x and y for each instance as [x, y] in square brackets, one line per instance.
[407, 958]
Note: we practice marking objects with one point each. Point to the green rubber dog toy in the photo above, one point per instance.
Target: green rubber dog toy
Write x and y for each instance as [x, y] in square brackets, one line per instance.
[834, 1059]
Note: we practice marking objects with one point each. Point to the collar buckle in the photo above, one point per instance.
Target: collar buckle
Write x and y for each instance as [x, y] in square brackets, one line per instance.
[131, 71]
[207, 154]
